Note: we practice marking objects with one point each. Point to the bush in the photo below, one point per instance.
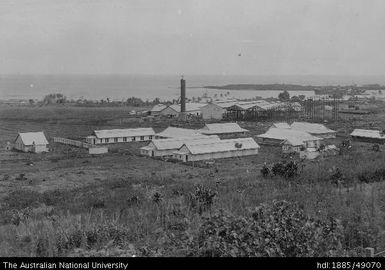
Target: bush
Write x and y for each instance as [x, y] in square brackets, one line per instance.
[287, 170]
[280, 229]
[372, 176]
[278, 168]
[202, 199]
[265, 171]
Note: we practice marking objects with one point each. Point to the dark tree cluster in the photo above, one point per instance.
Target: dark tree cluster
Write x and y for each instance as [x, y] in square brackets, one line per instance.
[285, 169]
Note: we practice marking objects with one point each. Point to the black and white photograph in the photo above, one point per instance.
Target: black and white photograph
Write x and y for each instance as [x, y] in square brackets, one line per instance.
[192, 128]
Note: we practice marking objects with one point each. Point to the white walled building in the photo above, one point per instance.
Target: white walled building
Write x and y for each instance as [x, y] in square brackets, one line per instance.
[34, 142]
[121, 135]
[166, 147]
[215, 150]
[212, 111]
[289, 138]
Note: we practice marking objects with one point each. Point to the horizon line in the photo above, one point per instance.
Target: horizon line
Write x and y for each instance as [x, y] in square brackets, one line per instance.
[195, 74]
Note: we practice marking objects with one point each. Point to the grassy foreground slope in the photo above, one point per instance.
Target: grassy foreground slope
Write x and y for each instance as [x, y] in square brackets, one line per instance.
[121, 204]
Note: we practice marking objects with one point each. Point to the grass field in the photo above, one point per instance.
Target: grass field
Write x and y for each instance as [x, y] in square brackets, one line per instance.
[71, 203]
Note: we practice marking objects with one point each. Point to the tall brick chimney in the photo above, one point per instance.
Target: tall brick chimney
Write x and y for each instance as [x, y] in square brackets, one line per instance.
[182, 95]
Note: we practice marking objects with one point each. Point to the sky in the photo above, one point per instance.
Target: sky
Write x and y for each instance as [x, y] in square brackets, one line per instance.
[247, 37]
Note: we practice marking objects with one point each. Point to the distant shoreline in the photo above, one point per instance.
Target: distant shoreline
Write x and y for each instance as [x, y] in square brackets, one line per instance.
[293, 87]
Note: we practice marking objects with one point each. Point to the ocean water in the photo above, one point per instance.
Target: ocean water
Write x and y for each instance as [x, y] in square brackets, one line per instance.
[148, 87]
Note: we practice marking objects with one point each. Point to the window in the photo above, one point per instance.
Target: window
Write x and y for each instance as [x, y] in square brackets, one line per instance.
[133, 139]
[125, 139]
[115, 139]
[106, 140]
[150, 137]
[142, 138]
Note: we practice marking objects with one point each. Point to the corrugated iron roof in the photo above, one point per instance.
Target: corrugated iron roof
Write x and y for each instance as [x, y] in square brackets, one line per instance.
[30, 138]
[288, 134]
[174, 132]
[282, 125]
[312, 128]
[366, 133]
[176, 143]
[220, 146]
[190, 107]
[127, 132]
[222, 128]
[212, 104]
[226, 104]
[158, 108]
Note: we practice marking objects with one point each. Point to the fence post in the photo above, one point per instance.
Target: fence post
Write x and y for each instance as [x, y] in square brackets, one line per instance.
[369, 252]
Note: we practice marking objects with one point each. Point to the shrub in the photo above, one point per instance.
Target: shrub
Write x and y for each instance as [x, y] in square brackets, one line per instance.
[278, 168]
[287, 170]
[265, 171]
[279, 229]
[202, 199]
[291, 169]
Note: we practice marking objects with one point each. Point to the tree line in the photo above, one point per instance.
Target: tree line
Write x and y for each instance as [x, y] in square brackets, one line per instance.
[58, 98]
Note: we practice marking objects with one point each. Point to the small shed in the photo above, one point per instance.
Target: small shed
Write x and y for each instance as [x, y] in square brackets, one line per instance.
[219, 149]
[34, 142]
[97, 150]
[371, 136]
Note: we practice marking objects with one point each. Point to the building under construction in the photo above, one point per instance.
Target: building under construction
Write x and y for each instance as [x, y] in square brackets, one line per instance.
[263, 110]
[321, 108]
[315, 108]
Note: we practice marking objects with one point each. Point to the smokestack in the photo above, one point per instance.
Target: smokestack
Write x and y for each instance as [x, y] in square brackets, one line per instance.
[182, 95]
